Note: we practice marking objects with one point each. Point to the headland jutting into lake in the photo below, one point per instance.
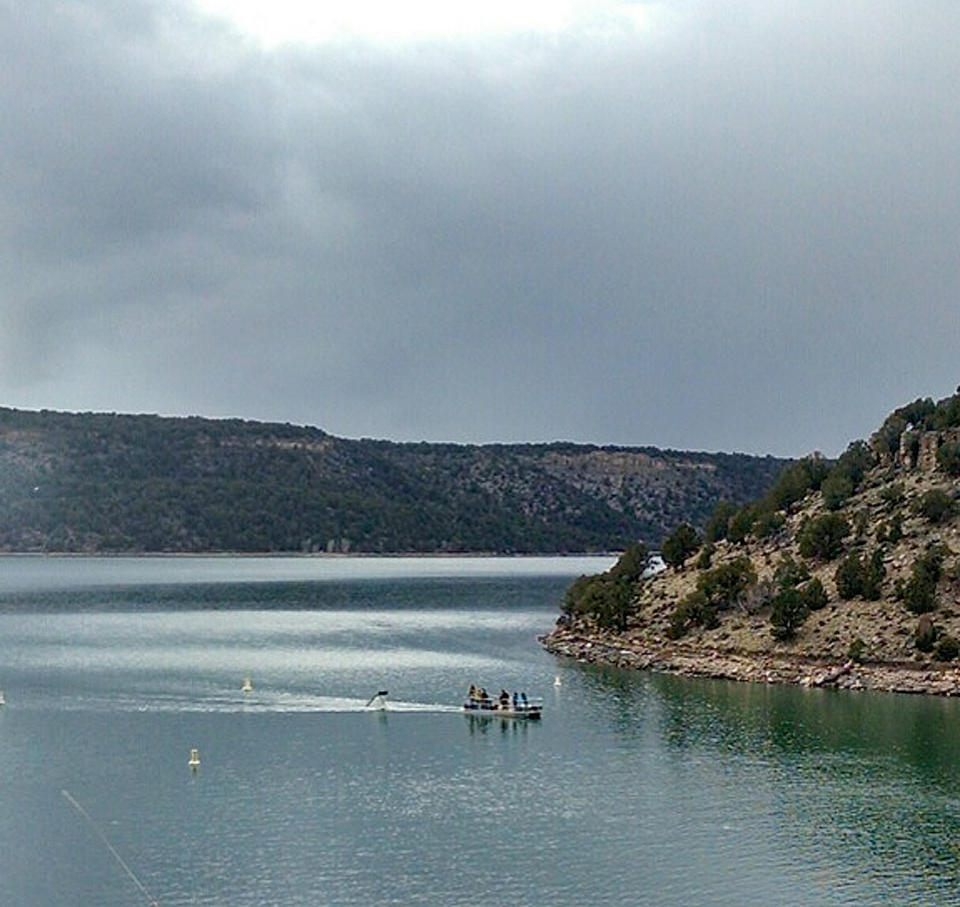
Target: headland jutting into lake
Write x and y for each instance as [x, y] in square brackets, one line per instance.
[844, 574]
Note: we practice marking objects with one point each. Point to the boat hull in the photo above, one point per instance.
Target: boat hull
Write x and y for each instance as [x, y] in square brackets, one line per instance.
[529, 713]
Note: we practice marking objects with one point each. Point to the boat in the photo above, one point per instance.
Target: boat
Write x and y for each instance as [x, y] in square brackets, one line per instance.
[506, 705]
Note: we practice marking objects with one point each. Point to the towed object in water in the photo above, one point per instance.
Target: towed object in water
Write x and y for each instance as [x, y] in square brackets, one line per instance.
[378, 701]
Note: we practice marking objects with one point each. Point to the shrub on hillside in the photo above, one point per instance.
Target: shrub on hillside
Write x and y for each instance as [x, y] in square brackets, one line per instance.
[767, 523]
[860, 577]
[603, 598]
[814, 595]
[607, 597]
[790, 572]
[705, 558]
[722, 587]
[795, 596]
[892, 495]
[946, 414]
[845, 477]
[919, 594]
[861, 523]
[725, 586]
[822, 537]
[741, 523]
[891, 531]
[679, 545]
[716, 528]
[692, 611]
[855, 462]
[787, 613]
[948, 458]
[857, 650]
[936, 505]
[797, 481]
[631, 564]
[836, 488]
[919, 597]
[947, 648]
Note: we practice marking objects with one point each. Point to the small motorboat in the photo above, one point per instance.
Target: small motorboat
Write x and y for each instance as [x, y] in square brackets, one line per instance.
[506, 705]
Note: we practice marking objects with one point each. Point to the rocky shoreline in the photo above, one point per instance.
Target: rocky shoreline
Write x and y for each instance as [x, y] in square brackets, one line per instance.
[694, 661]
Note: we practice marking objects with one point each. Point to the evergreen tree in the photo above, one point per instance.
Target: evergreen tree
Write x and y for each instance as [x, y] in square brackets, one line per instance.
[679, 545]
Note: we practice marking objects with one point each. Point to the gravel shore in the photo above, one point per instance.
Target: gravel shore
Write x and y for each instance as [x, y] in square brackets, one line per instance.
[692, 661]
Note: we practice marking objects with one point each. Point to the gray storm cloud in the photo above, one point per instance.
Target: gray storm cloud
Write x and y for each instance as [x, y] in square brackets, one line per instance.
[738, 231]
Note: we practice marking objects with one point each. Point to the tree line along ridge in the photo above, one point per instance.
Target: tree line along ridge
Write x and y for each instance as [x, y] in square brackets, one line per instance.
[103, 482]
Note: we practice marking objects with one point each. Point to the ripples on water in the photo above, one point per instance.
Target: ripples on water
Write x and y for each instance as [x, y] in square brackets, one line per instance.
[634, 789]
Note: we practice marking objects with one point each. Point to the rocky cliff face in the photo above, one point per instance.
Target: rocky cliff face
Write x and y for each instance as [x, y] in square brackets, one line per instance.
[903, 513]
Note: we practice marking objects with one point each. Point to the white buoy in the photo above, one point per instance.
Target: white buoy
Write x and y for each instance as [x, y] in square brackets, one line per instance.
[557, 681]
[194, 762]
[2, 700]
[247, 685]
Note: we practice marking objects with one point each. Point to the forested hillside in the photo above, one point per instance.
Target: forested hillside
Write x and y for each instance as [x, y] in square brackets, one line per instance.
[107, 482]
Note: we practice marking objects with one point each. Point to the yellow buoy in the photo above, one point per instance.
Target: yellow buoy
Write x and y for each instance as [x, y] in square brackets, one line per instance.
[194, 762]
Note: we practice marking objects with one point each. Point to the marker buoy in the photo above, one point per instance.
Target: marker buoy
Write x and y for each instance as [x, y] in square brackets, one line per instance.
[247, 685]
[194, 762]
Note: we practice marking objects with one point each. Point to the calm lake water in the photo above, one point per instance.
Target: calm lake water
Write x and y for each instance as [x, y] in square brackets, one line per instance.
[633, 789]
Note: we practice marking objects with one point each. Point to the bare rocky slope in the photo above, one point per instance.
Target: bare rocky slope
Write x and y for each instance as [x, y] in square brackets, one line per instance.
[886, 614]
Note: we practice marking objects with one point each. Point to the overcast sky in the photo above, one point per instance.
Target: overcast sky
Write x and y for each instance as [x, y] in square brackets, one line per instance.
[690, 224]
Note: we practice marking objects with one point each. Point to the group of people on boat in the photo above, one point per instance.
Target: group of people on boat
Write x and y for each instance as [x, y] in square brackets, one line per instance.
[478, 697]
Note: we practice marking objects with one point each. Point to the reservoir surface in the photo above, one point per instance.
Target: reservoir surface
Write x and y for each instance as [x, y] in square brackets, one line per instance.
[633, 789]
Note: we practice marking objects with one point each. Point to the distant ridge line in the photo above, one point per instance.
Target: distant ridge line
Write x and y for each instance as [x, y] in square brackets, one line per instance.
[103, 482]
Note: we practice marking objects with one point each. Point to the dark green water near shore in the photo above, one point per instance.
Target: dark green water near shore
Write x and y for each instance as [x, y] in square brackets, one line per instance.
[634, 789]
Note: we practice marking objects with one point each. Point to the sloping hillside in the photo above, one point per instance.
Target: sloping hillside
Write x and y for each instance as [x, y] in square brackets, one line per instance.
[104, 482]
[846, 575]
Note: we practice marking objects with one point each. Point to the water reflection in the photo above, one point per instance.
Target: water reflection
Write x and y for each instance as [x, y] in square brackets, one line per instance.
[920, 734]
[869, 779]
[483, 724]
